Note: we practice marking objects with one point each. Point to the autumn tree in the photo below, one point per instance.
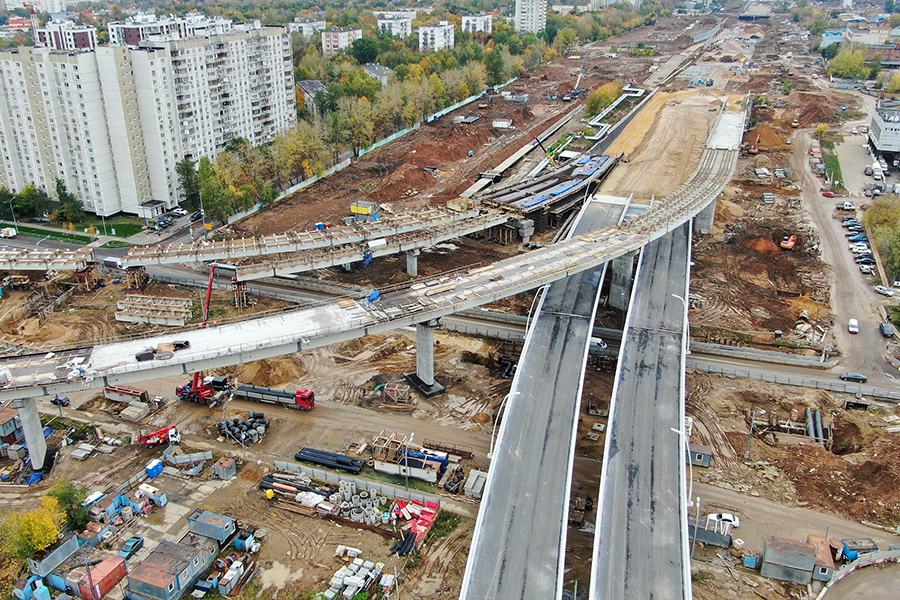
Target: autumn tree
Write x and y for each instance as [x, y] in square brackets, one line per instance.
[69, 497]
[24, 533]
[850, 63]
[603, 96]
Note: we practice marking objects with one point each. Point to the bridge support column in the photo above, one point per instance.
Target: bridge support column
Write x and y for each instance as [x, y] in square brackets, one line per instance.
[31, 426]
[704, 220]
[423, 378]
[525, 228]
[620, 281]
[412, 262]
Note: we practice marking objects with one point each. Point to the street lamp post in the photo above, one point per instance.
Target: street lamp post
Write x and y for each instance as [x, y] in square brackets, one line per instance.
[494, 428]
[750, 437]
[687, 345]
[406, 462]
[40, 240]
[687, 447]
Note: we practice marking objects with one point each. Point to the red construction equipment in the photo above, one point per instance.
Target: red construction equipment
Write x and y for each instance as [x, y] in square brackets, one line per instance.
[167, 435]
[754, 149]
[203, 389]
[788, 242]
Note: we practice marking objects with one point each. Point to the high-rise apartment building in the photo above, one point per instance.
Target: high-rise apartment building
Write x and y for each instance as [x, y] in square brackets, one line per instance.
[396, 26]
[114, 121]
[531, 15]
[133, 30]
[478, 23]
[67, 35]
[436, 37]
[335, 40]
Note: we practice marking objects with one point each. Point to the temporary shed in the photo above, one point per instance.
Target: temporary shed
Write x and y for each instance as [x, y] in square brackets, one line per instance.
[700, 456]
[788, 560]
[824, 560]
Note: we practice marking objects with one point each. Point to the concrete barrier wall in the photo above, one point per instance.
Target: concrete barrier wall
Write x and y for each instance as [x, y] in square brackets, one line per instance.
[865, 560]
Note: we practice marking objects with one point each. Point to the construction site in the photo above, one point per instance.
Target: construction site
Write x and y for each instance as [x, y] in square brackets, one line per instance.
[352, 479]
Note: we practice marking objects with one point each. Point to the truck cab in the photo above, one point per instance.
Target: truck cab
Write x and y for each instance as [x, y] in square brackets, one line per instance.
[306, 399]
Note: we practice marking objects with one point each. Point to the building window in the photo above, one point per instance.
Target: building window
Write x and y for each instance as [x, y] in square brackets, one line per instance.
[823, 570]
[171, 586]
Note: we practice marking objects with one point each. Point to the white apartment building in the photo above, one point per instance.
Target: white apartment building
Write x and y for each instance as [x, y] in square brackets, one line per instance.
[307, 28]
[335, 40]
[134, 30]
[478, 23]
[396, 26]
[67, 35]
[113, 122]
[436, 37]
[400, 14]
[531, 15]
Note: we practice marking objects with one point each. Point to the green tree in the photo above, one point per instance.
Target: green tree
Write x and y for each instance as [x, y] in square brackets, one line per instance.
[364, 50]
[24, 533]
[850, 63]
[830, 51]
[69, 497]
[189, 181]
[70, 207]
[6, 204]
[32, 202]
[493, 63]
[603, 96]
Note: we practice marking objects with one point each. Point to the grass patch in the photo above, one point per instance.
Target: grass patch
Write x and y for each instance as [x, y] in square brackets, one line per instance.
[833, 164]
[894, 313]
[117, 244]
[397, 480]
[59, 236]
[444, 525]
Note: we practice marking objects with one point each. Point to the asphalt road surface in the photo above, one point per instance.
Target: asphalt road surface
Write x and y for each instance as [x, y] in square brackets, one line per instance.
[639, 541]
[518, 548]
[853, 296]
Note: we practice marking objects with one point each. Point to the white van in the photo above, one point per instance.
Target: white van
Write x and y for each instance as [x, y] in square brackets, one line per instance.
[853, 326]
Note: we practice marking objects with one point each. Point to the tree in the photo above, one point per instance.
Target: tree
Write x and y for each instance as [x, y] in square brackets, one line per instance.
[493, 63]
[24, 533]
[821, 129]
[364, 50]
[849, 63]
[603, 96]
[70, 207]
[189, 181]
[69, 497]
[32, 202]
[6, 200]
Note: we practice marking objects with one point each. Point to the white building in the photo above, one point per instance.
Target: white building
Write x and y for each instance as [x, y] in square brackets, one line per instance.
[113, 122]
[884, 132]
[436, 37]
[396, 26]
[134, 30]
[335, 40]
[307, 28]
[531, 15]
[380, 73]
[67, 35]
[478, 23]
[400, 14]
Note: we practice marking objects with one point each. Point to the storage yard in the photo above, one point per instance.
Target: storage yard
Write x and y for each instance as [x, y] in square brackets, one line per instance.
[369, 483]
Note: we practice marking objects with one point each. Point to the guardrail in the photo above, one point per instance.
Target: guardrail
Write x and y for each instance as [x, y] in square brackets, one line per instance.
[865, 560]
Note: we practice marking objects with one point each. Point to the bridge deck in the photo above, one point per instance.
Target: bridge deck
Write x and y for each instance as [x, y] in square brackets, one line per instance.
[639, 542]
[519, 545]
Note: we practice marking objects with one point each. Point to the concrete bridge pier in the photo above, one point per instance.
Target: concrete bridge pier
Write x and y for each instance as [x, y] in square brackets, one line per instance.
[621, 278]
[704, 219]
[34, 434]
[412, 262]
[423, 378]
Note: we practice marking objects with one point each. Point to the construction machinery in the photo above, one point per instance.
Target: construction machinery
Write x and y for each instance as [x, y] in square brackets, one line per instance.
[754, 149]
[789, 242]
[547, 152]
[302, 399]
[576, 91]
[203, 390]
[166, 435]
[795, 123]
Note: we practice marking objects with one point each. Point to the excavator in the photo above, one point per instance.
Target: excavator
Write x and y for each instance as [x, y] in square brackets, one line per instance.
[754, 149]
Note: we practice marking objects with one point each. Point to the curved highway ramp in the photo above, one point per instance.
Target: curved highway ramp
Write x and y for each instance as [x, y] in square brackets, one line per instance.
[518, 549]
[640, 538]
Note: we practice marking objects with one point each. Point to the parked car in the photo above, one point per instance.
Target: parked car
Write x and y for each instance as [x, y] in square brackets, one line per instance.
[866, 269]
[196, 216]
[132, 545]
[853, 376]
[828, 194]
[886, 329]
[854, 230]
[853, 326]
[884, 291]
[60, 400]
[726, 518]
[858, 238]
[865, 260]
[180, 212]
[854, 131]
[851, 222]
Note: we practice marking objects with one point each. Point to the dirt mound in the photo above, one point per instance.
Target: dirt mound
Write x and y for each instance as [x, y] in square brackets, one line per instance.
[762, 245]
[269, 373]
[768, 139]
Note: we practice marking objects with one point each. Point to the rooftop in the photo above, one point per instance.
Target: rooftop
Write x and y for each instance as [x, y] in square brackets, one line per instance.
[790, 546]
[7, 415]
[163, 565]
[822, 549]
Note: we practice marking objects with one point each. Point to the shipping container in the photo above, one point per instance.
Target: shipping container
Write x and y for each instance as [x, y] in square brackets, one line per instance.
[217, 527]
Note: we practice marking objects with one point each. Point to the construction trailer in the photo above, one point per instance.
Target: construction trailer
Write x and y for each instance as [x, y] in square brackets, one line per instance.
[393, 454]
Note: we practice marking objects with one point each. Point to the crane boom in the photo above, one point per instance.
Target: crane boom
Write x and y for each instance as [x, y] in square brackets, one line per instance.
[581, 72]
